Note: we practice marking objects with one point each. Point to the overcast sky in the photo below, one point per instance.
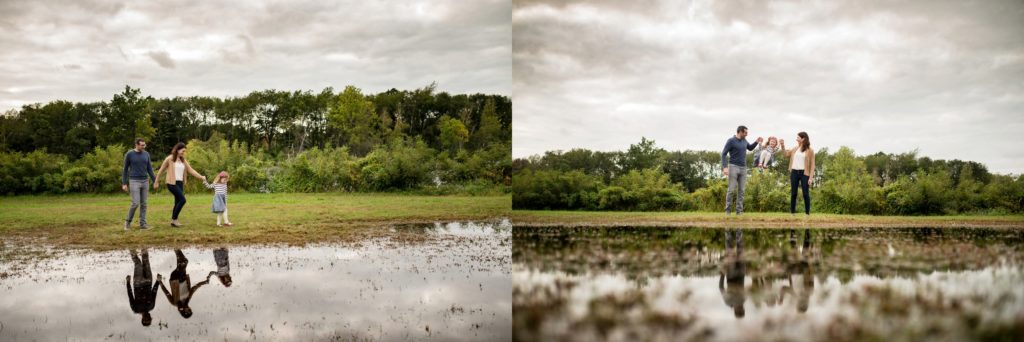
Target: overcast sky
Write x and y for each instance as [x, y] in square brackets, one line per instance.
[88, 50]
[945, 77]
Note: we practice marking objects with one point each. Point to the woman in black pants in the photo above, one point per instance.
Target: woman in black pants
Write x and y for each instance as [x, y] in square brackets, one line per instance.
[801, 171]
[177, 169]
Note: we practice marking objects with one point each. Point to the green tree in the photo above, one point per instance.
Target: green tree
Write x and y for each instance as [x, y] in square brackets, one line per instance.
[453, 133]
[643, 155]
[353, 115]
[849, 188]
[125, 118]
[489, 129]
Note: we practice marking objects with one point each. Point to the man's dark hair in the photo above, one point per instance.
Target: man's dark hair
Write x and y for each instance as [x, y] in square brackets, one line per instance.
[138, 140]
[741, 128]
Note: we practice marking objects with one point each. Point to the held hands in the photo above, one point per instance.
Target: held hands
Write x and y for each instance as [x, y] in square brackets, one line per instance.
[759, 140]
[725, 171]
[124, 187]
[156, 185]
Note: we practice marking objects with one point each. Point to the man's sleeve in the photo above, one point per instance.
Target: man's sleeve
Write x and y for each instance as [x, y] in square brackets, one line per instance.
[149, 167]
[124, 172]
[725, 151]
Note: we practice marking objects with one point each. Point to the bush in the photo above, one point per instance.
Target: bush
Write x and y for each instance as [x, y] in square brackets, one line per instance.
[649, 189]
[251, 176]
[849, 188]
[316, 170]
[712, 197]
[765, 191]
[401, 165]
[33, 172]
[922, 194]
[555, 190]
[97, 171]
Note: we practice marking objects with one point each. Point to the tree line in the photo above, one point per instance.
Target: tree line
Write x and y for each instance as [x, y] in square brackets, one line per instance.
[646, 177]
[395, 140]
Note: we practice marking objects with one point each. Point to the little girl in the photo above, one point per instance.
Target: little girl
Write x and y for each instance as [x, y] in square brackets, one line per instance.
[220, 197]
[766, 154]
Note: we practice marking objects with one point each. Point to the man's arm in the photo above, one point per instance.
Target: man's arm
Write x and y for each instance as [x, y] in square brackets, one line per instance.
[725, 153]
[149, 168]
[124, 171]
[750, 147]
[128, 285]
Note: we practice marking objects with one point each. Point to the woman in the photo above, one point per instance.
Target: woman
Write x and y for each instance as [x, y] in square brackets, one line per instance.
[182, 290]
[801, 171]
[176, 167]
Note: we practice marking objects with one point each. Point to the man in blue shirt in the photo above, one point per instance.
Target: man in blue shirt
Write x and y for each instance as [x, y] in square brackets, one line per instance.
[734, 166]
[137, 166]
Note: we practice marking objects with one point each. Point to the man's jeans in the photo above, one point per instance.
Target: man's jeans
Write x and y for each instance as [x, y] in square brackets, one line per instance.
[139, 190]
[737, 184]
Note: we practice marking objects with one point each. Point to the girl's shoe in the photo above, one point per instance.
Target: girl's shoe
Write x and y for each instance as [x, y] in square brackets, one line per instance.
[228, 225]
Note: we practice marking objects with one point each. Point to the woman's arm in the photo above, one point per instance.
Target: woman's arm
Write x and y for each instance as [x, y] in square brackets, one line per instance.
[170, 298]
[810, 156]
[193, 172]
[156, 179]
[163, 166]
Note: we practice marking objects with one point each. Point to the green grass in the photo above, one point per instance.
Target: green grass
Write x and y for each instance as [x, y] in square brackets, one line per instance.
[96, 221]
[753, 220]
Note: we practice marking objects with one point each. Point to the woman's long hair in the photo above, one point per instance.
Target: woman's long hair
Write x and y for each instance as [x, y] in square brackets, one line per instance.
[174, 152]
[806, 144]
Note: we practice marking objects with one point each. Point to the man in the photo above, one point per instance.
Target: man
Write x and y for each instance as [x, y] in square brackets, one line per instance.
[133, 180]
[144, 298]
[735, 154]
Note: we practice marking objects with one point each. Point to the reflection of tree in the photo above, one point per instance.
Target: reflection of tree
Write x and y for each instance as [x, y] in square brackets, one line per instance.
[144, 298]
[732, 273]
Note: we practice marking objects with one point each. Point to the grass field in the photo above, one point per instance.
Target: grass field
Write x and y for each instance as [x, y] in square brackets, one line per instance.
[527, 218]
[96, 221]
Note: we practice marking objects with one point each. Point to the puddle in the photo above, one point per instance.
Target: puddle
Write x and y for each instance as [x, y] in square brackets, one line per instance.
[643, 283]
[450, 282]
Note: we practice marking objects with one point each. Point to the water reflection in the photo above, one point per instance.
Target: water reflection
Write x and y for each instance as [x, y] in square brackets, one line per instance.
[182, 289]
[144, 297]
[423, 282]
[734, 271]
[651, 283]
[223, 272]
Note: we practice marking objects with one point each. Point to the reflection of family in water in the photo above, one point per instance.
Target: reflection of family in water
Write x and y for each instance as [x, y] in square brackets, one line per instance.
[799, 274]
[181, 289]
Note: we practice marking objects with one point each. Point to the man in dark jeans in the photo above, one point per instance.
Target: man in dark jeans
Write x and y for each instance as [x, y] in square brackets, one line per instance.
[144, 299]
[137, 166]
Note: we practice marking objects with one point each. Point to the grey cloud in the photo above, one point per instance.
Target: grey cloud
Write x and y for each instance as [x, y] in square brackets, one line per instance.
[875, 76]
[228, 48]
[162, 58]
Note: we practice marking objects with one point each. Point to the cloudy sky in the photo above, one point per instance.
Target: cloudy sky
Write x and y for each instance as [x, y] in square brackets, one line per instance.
[944, 77]
[88, 50]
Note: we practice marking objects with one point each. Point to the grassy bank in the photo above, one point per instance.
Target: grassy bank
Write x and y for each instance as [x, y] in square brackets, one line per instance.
[526, 218]
[96, 221]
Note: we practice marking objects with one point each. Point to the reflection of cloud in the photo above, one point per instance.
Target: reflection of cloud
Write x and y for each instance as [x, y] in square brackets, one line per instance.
[870, 75]
[993, 293]
[311, 293]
